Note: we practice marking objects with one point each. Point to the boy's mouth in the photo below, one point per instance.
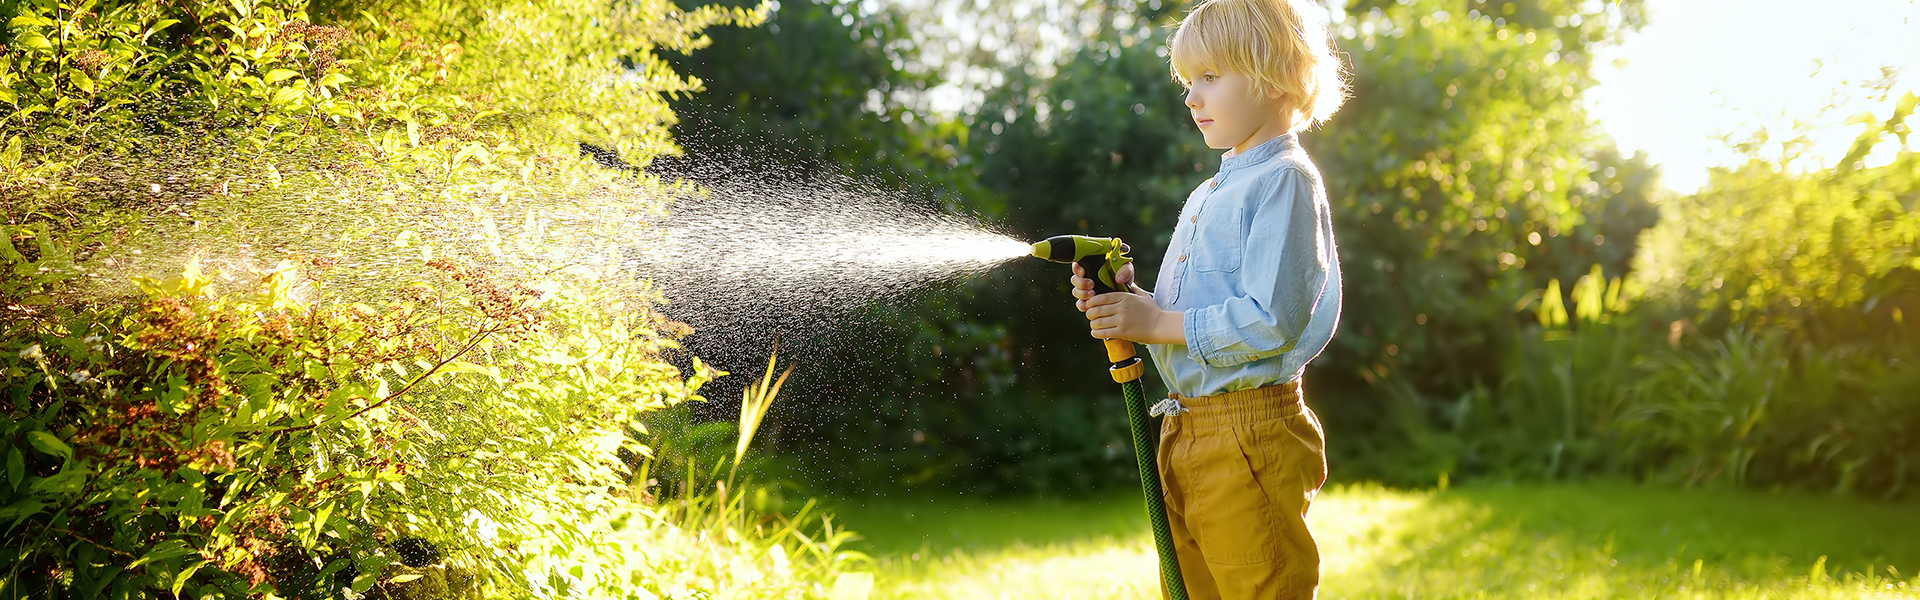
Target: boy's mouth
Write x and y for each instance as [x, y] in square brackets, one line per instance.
[1202, 122]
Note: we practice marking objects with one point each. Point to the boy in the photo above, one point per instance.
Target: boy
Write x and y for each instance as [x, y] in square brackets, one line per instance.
[1249, 291]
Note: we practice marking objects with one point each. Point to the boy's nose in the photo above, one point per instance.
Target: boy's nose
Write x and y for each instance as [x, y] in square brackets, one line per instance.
[1192, 100]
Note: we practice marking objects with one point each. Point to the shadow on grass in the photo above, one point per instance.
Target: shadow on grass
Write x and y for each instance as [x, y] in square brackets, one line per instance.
[904, 525]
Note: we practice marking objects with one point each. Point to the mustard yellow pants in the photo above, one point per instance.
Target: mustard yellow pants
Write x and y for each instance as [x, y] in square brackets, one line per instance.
[1238, 471]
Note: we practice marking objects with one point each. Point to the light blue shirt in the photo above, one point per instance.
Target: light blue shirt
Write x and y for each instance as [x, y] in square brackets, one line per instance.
[1253, 269]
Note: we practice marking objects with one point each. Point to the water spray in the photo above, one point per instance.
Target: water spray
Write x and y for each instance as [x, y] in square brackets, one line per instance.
[1101, 259]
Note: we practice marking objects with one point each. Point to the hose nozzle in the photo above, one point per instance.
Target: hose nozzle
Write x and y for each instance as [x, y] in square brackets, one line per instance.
[1101, 257]
[1072, 248]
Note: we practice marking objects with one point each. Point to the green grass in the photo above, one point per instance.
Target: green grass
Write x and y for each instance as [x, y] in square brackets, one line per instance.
[1531, 541]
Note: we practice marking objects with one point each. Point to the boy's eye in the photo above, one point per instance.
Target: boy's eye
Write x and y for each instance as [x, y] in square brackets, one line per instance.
[1209, 77]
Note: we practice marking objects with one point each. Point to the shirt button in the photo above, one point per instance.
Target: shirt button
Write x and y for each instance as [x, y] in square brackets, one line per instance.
[1213, 184]
[1183, 258]
[1193, 219]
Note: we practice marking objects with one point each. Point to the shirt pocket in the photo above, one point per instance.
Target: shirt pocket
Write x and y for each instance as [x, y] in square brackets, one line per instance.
[1220, 239]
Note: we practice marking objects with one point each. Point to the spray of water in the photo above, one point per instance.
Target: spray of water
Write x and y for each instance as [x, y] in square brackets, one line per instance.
[743, 255]
[803, 254]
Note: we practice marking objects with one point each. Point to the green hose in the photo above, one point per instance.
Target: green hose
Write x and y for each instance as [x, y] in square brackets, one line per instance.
[1144, 452]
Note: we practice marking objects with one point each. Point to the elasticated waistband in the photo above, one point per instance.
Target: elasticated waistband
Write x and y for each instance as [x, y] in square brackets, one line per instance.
[1245, 406]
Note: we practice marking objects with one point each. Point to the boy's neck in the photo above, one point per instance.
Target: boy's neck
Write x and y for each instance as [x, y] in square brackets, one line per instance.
[1275, 127]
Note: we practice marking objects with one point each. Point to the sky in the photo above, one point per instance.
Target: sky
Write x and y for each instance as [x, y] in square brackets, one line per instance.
[1703, 68]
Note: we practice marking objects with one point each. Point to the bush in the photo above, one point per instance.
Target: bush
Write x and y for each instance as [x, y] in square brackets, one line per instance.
[403, 358]
[1611, 393]
[235, 443]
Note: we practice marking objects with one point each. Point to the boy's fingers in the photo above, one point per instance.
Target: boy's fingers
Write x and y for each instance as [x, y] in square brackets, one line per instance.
[1107, 309]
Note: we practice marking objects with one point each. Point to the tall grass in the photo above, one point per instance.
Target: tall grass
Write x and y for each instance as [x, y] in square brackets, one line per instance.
[1609, 391]
[722, 535]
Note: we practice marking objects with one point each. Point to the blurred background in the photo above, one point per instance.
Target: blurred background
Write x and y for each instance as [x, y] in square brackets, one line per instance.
[1666, 245]
[1666, 242]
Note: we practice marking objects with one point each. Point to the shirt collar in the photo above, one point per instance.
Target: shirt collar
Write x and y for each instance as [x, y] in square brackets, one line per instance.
[1259, 154]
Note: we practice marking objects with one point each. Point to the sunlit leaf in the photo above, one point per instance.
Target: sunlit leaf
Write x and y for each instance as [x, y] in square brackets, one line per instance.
[46, 442]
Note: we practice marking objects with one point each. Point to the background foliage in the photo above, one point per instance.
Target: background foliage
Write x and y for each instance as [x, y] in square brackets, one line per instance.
[1469, 184]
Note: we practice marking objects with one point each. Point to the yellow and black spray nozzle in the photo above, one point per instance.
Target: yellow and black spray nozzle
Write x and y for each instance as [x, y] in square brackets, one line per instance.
[1099, 257]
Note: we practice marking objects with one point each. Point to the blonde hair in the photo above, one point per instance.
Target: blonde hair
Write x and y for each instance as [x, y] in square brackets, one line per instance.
[1281, 46]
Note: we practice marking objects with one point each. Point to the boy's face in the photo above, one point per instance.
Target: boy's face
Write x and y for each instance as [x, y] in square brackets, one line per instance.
[1228, 114]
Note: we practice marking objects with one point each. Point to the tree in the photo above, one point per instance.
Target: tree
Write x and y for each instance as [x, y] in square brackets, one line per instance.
[822, 87]
[1828, 256]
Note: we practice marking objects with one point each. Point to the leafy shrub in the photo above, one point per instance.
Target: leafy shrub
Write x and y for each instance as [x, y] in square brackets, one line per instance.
[402, 360]
[244, 442]
[1610, 393]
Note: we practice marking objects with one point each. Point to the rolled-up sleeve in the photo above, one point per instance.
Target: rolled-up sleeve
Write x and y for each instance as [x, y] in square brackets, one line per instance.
[1283, 273]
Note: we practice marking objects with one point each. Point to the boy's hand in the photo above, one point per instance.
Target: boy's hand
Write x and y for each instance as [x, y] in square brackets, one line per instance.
[1131, 315]
[1083, 285]
[1134, 316]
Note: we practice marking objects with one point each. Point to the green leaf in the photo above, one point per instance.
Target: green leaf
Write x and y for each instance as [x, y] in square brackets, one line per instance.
[33, 39]
[101, 579]
[65, 482]
[180, 580]
[279, 75]
[164, 550]
[16, 467]
[45, 442]
[334, 567]
[365, 581]
[404, 578]
[21, 509]
[321, 516]
[287, 95]
[161, 25]
[30, 21]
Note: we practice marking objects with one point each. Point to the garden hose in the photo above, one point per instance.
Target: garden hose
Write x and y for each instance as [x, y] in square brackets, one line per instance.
[1101, 258]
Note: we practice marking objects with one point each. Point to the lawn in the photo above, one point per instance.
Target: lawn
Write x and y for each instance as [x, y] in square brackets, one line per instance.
[1528, 541]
